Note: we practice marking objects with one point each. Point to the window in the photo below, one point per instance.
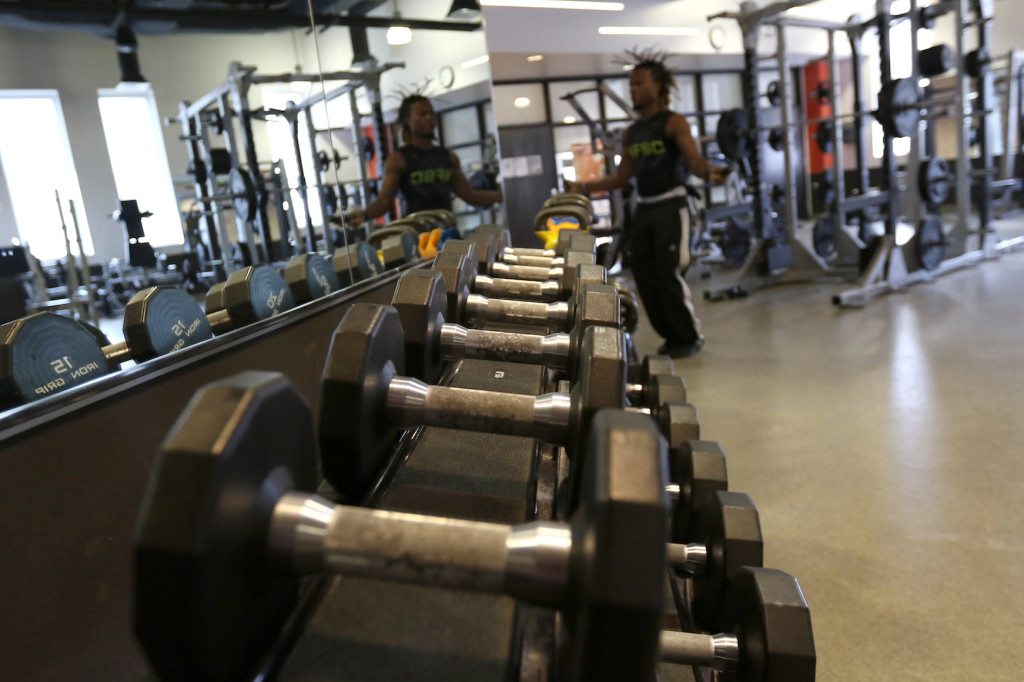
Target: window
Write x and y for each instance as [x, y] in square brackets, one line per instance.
[35, 153]
[138, 157]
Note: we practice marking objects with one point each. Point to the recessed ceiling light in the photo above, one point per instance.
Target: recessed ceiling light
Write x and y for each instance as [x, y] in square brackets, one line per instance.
[628, 67]
[569, 119]
[399, 35]
[474, 62]
[535, 58]
[647, 31]
[521, 102]
[556, 4]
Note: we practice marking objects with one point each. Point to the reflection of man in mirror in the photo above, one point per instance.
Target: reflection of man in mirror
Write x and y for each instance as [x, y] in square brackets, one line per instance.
[661, 154]
[424, 174]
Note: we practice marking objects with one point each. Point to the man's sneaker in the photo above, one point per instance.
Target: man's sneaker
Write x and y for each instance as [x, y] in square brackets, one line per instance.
[674, 349]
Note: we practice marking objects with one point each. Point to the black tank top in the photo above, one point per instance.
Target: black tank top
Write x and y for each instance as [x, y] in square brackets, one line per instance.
[427, 180]
[658, 164]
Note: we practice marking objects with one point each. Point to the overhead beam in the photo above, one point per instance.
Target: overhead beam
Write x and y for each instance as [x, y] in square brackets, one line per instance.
[66, 11]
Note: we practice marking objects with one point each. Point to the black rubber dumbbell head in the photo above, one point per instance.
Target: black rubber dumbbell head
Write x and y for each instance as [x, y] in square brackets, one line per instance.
[421, 302]
[730, 528]
[617, 574]
[207, 605]
[699, 467]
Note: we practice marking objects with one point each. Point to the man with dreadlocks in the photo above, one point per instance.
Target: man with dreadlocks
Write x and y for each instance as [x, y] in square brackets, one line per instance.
[424, 174]
[661, 153]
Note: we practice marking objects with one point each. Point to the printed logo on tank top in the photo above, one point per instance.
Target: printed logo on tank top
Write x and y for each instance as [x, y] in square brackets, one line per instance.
[647, 148]
[429, 175]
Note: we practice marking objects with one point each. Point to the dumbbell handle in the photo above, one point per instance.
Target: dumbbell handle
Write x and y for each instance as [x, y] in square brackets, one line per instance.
[721, 652]
[529, 561]
[529, 272]
[519, 251]
[548, 290]
[535, 261]
[411, 402]
[480, 309]
[551, 350]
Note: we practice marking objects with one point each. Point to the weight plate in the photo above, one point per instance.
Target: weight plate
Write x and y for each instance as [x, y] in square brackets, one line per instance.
[930, 242]
[309, 276]
[933, 179]
[774, 93]
[208, 604]
[976, 63]
[256, 293]
[356, 437]
[732, 136]
[899, 107]
[935, 61]
[735, 242]
[823, 136]
[243, 194]
[43, 354]
[161, 320]
[777, 139]
[825, 237]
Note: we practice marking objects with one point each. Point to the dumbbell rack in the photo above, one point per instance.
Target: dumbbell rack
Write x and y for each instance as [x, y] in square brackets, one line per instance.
[75, 467]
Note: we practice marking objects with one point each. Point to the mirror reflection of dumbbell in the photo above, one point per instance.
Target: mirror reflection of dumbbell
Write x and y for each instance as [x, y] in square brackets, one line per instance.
[230, 523]
[474, 309]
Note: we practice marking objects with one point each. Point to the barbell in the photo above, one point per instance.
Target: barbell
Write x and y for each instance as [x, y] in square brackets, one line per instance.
[899, 111]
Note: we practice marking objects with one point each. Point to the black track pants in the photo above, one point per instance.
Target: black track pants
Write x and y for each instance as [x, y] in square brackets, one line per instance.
[660, 245]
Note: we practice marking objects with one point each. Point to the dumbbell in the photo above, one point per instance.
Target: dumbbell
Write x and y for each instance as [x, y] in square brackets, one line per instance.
[765, 636]
[475, 309]
[501, 278]
[310, 276]
[398, 244]
[249, 295]
[366, 401]
[421, 301]
[356, 262]
[500, 251]
[230, 522]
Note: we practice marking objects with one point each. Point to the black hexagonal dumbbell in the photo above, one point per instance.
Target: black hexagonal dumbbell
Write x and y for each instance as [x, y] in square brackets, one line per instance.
[422, 303]
[310, 276]
[532, 283]
[502, 251]
[765, 632]
[474, 309]
[366, 402]
[230, 522]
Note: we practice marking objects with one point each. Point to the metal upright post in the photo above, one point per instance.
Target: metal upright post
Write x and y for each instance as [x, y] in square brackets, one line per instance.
[293, 124]
[959, 235]
[915, 207]
[986, 101]
[889, 166]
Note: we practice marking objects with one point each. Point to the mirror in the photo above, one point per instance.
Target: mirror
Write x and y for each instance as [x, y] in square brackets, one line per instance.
[449, 67]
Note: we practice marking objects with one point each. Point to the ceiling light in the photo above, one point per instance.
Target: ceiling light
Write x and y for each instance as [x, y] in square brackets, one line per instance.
[521, 102]
[399, 35]
[535, 58]
[569, 120]
[647, 31]
[628, 67]
[464, 9]
[475, 62]
[556, 4]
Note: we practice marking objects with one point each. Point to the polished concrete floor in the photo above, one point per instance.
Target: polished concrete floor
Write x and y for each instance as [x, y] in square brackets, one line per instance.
[883, 449]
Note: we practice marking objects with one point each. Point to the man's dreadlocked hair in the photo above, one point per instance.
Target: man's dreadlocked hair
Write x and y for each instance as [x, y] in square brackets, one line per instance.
[654, 61]
[410, 95]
